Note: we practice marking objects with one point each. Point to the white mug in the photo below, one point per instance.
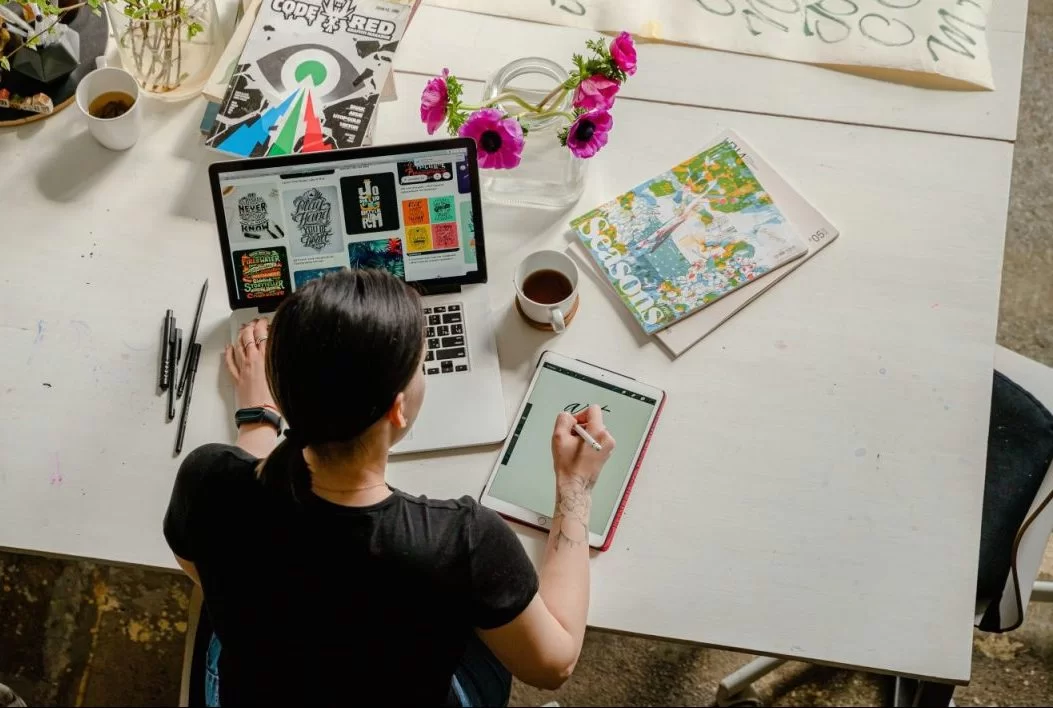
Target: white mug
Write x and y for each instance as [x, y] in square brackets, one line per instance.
[554, 314]
[118, 133]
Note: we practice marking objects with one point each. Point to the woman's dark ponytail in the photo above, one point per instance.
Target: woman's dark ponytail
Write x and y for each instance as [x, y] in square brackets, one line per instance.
[286, 472]
[340, 350]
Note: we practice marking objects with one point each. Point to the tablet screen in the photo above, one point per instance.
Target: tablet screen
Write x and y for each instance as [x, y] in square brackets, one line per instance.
[525, 477]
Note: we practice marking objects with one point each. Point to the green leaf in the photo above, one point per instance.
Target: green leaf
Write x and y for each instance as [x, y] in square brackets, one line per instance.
[4, 63]
[454, 90]
[455, 119]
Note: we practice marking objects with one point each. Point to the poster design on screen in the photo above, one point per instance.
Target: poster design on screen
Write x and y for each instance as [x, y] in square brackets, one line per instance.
[262, 273]
[311, 214]
[424, 171]
[370, 203]
[252, 213]
[303, 277]
[464, 178]
[467, 232]
[431, 224]
[380, 254]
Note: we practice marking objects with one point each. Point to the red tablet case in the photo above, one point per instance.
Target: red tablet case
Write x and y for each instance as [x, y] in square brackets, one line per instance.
[632, 475]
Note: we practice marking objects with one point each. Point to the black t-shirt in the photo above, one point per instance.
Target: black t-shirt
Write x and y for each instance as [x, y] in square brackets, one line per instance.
[320, 603]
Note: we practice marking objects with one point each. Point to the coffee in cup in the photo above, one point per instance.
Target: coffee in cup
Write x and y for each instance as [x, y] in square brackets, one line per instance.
[546, 285]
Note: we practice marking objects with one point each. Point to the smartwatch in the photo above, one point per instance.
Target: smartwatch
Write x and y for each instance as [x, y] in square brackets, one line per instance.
[258, 415]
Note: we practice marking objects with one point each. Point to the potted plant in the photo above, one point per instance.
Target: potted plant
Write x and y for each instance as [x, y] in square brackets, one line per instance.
[168, 45]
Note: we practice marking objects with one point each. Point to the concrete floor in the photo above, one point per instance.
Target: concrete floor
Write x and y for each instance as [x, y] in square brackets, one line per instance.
[73, 632]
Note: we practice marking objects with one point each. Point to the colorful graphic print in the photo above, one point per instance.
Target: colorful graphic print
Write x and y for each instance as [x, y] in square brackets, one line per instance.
[381, 254]
[262, 273]
[467, 232]
[303, 277]
[442, 210]
[303, 85]
[415, 212]
[444, 237]
[424, 171]
[370, 203]
[418, 239]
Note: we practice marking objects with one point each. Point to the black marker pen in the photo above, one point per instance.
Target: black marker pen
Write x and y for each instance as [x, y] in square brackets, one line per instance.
[177, 350]
[165, 377]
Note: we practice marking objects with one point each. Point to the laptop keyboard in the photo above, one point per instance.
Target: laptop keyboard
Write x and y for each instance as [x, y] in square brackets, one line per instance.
[447, 343]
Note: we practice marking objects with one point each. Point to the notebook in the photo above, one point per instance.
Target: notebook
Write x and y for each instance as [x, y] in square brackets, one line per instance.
[815, 229]
[684, 239]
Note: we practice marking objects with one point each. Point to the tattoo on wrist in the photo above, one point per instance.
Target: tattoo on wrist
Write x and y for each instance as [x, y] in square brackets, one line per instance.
[571, 517]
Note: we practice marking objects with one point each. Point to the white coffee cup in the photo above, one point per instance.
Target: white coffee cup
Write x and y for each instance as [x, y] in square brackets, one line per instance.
[544, 310]
[118, 133]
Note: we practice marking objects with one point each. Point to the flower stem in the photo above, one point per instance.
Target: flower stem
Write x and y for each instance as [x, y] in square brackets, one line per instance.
[549, 114]
[557, 93]
[513, 97]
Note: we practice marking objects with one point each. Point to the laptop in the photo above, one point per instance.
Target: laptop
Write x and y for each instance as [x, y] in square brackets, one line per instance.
[411, 209]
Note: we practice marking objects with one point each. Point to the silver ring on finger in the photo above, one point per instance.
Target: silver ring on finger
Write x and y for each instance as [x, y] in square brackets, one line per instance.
[261, 339]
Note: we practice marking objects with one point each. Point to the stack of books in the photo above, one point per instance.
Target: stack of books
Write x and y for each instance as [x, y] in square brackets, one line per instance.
[303, 75]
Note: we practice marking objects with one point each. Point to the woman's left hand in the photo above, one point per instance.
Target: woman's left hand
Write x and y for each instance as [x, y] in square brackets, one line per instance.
[246, 362]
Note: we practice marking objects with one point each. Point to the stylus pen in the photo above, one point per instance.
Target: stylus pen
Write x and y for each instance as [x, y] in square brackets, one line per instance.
[587, 438]
[194, 355]
[193, 338]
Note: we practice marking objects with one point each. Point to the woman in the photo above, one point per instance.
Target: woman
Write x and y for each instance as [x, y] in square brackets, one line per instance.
[324, 584]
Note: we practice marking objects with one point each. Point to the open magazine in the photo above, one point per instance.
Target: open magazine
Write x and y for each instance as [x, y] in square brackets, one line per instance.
[686, 238]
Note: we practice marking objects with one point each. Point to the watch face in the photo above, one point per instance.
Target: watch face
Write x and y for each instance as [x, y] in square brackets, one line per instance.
[256, 415]
[249, 415]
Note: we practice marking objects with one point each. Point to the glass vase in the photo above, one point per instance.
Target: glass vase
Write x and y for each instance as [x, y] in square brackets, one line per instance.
[548, 176]
[169, 46]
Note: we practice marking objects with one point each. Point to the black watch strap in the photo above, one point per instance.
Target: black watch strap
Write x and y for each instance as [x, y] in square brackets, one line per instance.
[258, 415]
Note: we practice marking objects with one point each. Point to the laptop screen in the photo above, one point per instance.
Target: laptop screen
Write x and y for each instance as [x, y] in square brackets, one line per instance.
[412, 210]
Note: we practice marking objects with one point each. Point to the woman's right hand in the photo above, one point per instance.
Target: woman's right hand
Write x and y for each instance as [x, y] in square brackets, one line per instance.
[572, 457]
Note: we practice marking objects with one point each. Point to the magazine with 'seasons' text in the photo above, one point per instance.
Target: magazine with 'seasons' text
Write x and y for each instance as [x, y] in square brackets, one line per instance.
[735, 235]
[682, 240]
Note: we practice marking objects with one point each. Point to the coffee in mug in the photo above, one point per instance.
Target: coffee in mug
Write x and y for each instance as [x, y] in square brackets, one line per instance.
[109, 99]
[110, 104]
[547, 290]
[547, 286]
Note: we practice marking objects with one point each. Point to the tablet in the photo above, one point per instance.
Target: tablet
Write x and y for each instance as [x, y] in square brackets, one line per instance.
[522, 486]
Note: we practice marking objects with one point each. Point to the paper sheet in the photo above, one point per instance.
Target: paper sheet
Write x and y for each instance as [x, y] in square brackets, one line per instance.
[936, 43]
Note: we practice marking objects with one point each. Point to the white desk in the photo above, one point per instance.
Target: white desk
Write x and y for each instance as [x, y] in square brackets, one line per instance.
[814, 487]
